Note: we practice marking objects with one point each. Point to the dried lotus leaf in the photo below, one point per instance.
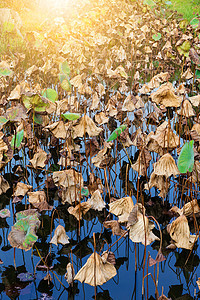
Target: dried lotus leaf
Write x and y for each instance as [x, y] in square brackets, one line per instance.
[142, 162]
[95, 265]
[165, 96]
[58, 129]
[141, 231]
[115, 227]
[79, 210]
[60, 236]
[180, 233]
[86, 125]
[121, 208]
[186, 110]
[21, 189]
[39, 159]
[166, 166]
[96, 201]
[4, 185]
[67, 178]
[69, 275]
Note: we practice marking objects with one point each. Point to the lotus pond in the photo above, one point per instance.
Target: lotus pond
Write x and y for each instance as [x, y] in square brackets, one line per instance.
[99, 156]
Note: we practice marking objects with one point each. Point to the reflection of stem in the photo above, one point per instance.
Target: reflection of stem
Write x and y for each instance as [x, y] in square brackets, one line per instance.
[15, 261]
[95, 285]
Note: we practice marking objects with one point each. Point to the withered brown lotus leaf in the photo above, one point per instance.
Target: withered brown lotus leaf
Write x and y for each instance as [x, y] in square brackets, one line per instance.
[196, 127]
[114, 226]
[101, 118]
[165, 137]
[76, 81]
[196, 172]
[62, 106]
[141, 231]
[187, 74]
[142, 162]
[79, 210]
[36, 197]
[152, 261]
[194, 56]
[96, 201]
[67, 178]
[16, 113]
[154, 82]
[69, 275]
[21, 189]
[60, 236]
[39, 159]
[86, 125]
[139, 138]
[70, 194]
[108, 256]
[186, 109]
[131, 103]
[15, 94]
[191, 208]
[95, 265]
[95, 102]
[121, 208]
[4, 185]
[101, 156]
[195, 100]
[180, 233]
[58, 129]
[160, 182]
[145, 89]
[166, 166]
[133, 216]
[165, 96]
[95, 183]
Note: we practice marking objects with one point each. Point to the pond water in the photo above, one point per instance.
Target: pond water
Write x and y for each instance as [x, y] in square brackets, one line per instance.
[177, 274]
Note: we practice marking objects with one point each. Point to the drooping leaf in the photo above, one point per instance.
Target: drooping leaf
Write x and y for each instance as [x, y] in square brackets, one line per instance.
[184, 48]
[116, 133]
[157, 36]
[70, 116]
[50, 94]
[35, 102]
[64, 68]
[186, 158]
[17, 139]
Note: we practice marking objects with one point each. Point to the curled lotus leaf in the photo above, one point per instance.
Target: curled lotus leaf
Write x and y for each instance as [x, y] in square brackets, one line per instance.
[70, 116]
[23, 234]
[116, 133]
[39, 104]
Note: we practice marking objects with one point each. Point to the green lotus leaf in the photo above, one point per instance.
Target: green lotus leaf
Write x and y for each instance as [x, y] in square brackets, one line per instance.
[194, 22]
[35, 102]
[157, 36]
[66, 85]
[17, 139]
[62, 77]
[38, 119]
[184, 48]
[3, 121]
[50, 94]
[23, 235]
[186, 158]
[64, 68]
[5, 72]
[70, 116]
[150, 3]
[116, 133]
[84, 191]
